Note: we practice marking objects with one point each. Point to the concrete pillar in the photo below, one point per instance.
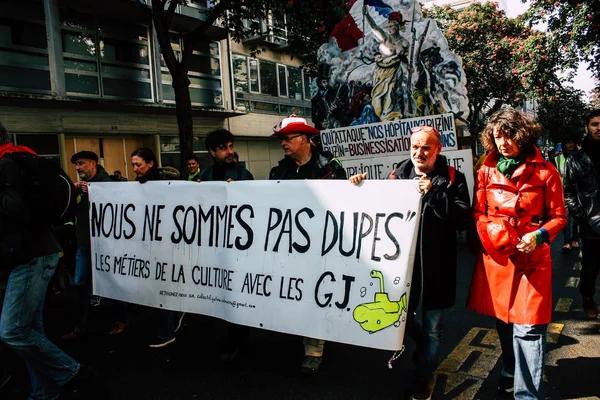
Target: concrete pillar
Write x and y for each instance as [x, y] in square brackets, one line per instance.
[55, 50]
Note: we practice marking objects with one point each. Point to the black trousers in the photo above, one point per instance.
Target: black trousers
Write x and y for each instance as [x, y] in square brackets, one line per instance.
[590, 267]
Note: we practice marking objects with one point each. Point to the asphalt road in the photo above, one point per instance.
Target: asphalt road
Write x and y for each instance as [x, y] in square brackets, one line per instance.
[190, 368]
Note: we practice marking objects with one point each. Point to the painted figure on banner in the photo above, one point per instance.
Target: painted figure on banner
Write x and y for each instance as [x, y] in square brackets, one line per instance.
[386, 50]
[392, 67]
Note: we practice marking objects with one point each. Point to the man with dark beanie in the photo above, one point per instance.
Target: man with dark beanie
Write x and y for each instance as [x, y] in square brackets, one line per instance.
[88, 170]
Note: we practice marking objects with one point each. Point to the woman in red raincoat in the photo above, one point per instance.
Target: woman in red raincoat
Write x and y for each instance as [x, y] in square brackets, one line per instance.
[519, 209]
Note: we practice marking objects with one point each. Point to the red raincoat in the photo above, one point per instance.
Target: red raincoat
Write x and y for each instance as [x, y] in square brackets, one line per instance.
[519, 292]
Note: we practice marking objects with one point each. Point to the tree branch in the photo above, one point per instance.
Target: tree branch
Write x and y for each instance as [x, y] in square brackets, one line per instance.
[193, 37]
[170, 12]
[162, 35]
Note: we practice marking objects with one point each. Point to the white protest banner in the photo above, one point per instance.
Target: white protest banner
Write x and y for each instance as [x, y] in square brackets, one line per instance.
[381, 167]
[322, 259]
[385, 138]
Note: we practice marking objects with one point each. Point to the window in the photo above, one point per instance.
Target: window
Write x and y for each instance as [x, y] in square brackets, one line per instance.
[205, 74]
[240, 73]
[295, 83]
[278, 24]
[45, 145]
[266, 87]
[282, 80]
[24, 50]
[254, 76]
[306, 79]
[268, 78]
[105, 58]
[170, 156]
[125, 61]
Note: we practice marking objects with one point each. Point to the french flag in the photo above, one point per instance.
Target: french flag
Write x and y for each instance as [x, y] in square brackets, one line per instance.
[347, 32]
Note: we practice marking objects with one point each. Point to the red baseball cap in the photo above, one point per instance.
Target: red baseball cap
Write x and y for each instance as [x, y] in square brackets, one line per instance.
[294, 124]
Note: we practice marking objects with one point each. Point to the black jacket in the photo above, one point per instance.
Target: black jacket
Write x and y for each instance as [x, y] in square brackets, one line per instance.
[21, 237]
[322, 165]
[82, 228]
[581, 188]
[444, 210]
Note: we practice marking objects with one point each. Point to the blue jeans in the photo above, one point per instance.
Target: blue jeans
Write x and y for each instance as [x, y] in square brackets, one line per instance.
[427, 334]
[83, 287]
[527, 350]
[21, 328]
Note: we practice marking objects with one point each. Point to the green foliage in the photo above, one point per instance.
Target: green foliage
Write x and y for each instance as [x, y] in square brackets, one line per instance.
[504, 60]
[563, 114]
[574, 26]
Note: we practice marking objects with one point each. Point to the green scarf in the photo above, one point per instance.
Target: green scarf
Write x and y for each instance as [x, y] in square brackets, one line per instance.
[508, 165]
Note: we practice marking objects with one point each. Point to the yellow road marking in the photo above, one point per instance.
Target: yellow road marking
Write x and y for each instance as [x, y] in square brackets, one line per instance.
[572, 282]
[462, 373]
[554, 331]
[563, 304]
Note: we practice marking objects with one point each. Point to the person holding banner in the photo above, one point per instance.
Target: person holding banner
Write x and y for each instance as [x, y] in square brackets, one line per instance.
[518, 209]
[304, 160]
[444, 210]
[146, 169]
[88, 170]
[219, 144]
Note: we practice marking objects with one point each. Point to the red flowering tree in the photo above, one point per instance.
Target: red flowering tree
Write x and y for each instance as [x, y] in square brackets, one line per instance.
[505, 61]
[574, 26]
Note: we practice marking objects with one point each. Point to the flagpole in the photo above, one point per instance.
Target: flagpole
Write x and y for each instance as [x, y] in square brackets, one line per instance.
[364, 7]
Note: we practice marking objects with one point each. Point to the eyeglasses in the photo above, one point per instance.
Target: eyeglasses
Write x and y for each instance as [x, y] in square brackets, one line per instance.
[427, 129]
[288, 138]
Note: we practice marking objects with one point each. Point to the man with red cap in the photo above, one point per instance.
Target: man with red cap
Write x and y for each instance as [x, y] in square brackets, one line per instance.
[304, 160]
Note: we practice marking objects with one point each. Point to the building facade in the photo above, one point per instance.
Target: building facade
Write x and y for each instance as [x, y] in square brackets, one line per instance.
[87, 75]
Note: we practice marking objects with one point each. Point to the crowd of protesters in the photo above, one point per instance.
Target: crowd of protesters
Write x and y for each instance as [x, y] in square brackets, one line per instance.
[518, 210]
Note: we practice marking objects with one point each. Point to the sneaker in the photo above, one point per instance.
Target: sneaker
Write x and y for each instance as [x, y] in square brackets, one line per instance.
[118, 328]
[566, 248]
[422, 389]
[74, 334]
[4, 379]
[180, 321]
[311, 365]
[575, 244]
[506, 385]
[161, 343]
[590, 308]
